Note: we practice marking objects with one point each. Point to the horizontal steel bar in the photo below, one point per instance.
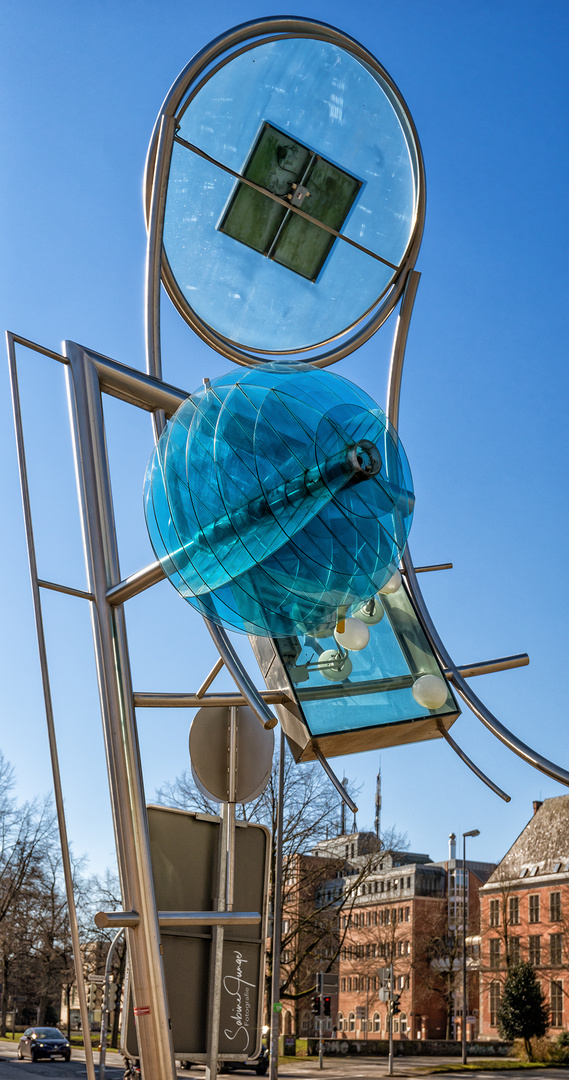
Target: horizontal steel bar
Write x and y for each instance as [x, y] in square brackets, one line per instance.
[65, 589]
[135, 386]
[208, 918]
[135, 583]
[486, 667]
[429, 569]
[192, 701]
[105, 919]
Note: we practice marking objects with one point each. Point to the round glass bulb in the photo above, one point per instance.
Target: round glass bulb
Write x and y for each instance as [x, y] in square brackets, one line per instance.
[430, 691]
[354, 636]
[371, 612]
[333, 666]
[392, 585]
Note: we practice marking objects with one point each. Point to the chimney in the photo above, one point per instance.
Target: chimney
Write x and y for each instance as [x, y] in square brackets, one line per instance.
[452, 846]
[536, 805]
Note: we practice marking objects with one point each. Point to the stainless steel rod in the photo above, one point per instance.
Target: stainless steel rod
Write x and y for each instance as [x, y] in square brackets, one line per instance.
[332, 776]
[274, 1019]
[135, 583]
[435, 566]
[65, 589]
[210, 678]
[486, 667]
[105, 1009]
[106, 919]
[471, 764]
[192, 701]
[119, 721]
[48, 704]
[240, 676]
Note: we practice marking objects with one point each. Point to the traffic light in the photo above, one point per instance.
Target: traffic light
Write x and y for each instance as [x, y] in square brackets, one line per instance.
[395, 1005]
[112, 996]
[326, 1006]
[92, 996]
[316, 1004]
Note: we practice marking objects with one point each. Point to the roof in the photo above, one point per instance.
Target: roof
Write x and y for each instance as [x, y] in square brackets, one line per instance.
[541, 848]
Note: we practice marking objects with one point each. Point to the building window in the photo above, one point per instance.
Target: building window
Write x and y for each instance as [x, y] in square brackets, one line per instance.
[556, 1004]
[407, 914]
[340, 1021]
[534, 908]
[343, 984]
[408, 882]
[305, 1021]
[403, 1023]
[514, 903]
[555, 906]
[494, 953]
[514, 950]
[555, 951]
[349, 983]
[352, 1022]
[494, 913]
[401, 913]
[494, 997]
[535, 949]
[376, 1022]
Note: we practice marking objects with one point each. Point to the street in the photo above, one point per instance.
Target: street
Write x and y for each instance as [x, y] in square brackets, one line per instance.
[352, 1069]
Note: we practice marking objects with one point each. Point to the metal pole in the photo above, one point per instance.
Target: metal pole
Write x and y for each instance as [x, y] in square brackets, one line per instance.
[119, 722]
[105, 1008]
[320, 1020]
[390, 1022]
[277, 920]
[57, 787]
[473, 832]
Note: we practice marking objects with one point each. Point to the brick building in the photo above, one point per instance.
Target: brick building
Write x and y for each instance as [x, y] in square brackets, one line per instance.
[525, 915]
[393, 907]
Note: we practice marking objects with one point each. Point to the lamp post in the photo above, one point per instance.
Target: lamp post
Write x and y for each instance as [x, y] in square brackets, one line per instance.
[473, 832]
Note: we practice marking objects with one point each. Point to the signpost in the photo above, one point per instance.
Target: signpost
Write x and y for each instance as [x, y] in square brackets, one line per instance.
[327, 984]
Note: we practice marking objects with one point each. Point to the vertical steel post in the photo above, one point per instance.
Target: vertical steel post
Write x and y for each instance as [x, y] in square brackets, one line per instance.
[105, 1008]
[57, 787]
[119, 722]
[277, 920]
[472, 832]
[224, 899]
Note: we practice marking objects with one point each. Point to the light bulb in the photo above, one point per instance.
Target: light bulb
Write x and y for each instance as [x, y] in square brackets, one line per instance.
[371, 612]
[334, 666]
[392, 585]
[354, 636]
[430, 691]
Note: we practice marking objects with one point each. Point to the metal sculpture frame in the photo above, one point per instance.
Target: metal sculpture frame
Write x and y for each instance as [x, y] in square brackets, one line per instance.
[88, 376]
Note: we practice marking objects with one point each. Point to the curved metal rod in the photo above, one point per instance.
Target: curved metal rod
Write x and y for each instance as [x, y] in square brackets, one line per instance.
[240, 676]
[532, 757]
[153, 248]
[471, 765]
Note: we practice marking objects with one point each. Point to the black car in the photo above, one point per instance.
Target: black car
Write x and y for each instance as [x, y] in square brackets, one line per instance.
[38, 1042]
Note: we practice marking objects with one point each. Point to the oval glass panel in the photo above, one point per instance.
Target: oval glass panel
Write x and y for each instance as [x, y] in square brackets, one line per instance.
[306, 122]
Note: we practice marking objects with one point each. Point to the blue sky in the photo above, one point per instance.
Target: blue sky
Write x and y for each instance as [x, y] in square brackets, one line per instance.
[484, 402]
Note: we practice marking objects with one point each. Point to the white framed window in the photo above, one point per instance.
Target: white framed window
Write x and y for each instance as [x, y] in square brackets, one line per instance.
[352, 1022]
[376, 1022]
[403, 1023]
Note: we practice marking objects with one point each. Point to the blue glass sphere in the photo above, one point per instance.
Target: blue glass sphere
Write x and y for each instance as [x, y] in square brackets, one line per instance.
[275, 497]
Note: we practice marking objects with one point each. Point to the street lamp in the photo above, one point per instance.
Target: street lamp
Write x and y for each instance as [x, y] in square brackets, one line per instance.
[473, 832]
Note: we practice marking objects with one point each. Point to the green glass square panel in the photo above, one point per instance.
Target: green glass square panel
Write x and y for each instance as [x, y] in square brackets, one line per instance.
[283, 165]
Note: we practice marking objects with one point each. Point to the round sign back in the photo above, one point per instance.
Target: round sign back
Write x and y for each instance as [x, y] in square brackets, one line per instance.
[209, 753]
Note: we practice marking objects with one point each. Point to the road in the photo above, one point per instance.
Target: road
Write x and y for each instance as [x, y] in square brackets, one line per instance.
[351, 1069]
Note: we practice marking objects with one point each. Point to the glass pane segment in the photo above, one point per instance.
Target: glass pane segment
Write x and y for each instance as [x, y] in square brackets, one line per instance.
[377, 691]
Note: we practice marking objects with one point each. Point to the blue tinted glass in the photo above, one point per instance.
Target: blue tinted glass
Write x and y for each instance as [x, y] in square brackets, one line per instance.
[377, 689]
[327, 101]
[278, 496]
